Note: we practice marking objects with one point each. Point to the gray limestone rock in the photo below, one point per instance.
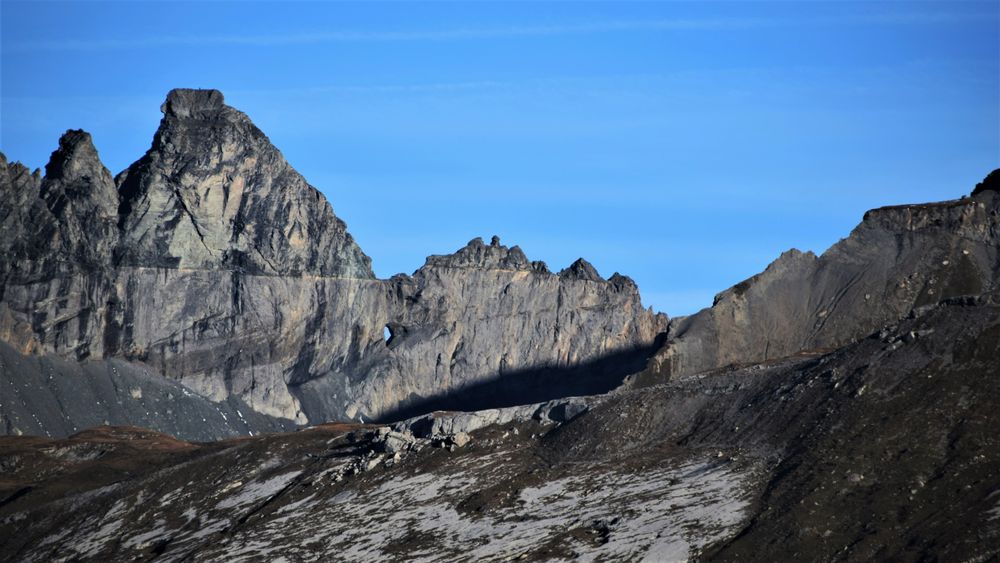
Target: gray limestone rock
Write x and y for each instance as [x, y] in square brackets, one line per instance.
[477, 329]
[22, 214]
[214, 193]
[81, 195]
[899, 258]
[215, 264]
[990, 183]
[478, 255]
[451, 423]
[66, 221]
[581, 270]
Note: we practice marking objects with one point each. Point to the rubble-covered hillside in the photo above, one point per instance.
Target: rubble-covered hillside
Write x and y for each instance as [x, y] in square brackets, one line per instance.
[883, 449]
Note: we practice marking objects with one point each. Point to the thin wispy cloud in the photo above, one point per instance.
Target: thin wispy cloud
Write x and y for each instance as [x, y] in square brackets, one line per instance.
[349, 36]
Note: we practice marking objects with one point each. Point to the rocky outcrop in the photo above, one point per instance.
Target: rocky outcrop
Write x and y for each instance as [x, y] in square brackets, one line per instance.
[81, 195]
[63, 222]
[214, 193]
[581, 270]
[19, 189]
[899, 258]
[990, 183]
[485, 327]
[213, 263]
[452, 423]
[479, 256]
[61, 227]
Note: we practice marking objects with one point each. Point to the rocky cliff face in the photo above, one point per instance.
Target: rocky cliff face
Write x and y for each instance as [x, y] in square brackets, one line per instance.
[487, 327]
[214, 193]
[899, 258]
[883, 450]
[212, 262]
[64, 221]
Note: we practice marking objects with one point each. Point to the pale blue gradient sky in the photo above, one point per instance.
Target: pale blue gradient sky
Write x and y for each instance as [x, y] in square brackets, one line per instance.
[683, 144]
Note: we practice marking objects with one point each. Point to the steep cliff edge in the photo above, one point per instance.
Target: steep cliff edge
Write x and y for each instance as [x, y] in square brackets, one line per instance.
[214, 193]
[899, 258]
[215, 264]
[486, 327]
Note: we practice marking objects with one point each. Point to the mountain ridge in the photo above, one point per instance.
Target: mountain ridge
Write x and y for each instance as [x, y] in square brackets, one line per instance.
[833, 407]
[229, 273]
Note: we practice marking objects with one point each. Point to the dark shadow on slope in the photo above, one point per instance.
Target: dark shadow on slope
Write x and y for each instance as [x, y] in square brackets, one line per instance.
[46, 395]
[536, 385]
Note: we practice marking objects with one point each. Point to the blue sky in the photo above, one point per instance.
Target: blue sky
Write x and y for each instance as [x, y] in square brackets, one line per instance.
[683, 144]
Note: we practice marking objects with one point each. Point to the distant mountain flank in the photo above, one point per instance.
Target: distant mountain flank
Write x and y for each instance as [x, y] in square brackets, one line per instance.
[898, 259]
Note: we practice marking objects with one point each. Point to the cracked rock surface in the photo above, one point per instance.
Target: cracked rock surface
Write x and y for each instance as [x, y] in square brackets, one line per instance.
[883, 449]
[211, 262]
[899, 258]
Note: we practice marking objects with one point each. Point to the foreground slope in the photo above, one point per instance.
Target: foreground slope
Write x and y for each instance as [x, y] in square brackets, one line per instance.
[45, 395]
[884, 449]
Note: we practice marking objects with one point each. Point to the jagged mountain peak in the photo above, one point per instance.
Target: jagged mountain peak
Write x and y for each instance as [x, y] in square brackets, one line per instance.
[990, 183]
[213, 192]
[63, 221]
[581, 270]
[76, 147]
[191, 102]
[477, 254]
[623, 282]
[76, 167]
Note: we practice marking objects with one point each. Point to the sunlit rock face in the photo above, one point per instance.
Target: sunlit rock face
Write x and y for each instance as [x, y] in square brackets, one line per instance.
[899, 258]
[486, 327]
[214, 263]
[214, 193]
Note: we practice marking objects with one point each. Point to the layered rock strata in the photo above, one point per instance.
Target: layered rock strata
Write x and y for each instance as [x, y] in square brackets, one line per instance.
[212, 262]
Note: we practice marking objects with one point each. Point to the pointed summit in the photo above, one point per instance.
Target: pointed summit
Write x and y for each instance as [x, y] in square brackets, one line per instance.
[581, 270]
[214, 193]
[80, 193]
[76, 157]
[990, 182]
[64, 222]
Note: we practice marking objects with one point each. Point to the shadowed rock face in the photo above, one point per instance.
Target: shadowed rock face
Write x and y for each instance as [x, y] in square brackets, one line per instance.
[80, 193]
[19, 190]
[581, 270]
[68, 220]
[482, 314]
[215, 264]
[897, 259]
